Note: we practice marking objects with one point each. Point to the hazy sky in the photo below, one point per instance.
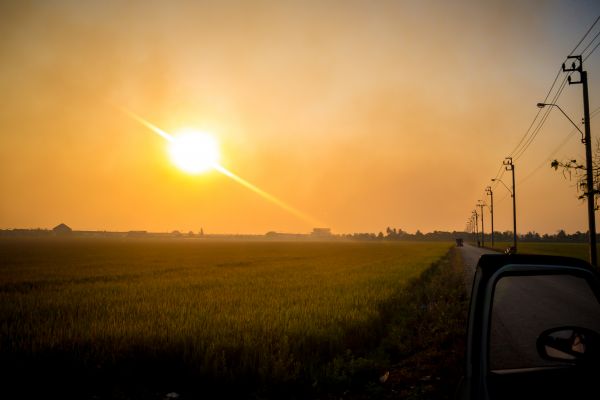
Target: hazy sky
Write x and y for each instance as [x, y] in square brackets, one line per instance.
[362, 114]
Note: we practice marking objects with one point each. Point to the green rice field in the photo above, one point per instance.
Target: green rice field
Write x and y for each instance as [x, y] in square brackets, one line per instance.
[216, 313]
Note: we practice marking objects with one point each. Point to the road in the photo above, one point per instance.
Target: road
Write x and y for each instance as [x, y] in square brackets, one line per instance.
[525, 306]
[470, 256]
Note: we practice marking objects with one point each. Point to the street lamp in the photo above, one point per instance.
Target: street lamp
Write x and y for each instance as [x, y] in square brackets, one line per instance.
[480, 204]
[500, 180]
[488, 190]
[589, 177]
[542, 105]
[476, 223]
[512, 194]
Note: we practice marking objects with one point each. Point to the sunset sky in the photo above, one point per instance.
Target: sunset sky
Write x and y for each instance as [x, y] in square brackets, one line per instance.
[359, 114]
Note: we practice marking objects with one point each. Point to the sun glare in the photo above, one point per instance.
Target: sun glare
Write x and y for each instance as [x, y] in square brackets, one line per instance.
[194, 152]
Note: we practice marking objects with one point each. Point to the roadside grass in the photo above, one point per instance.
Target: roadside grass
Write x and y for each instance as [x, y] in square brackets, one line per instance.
[577, 250]
[426, 341]
[141, 318]
[421, 354]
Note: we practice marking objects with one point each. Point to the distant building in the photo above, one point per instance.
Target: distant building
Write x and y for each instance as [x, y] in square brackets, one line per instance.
[284, 236]
[62, 229]
[321, 232]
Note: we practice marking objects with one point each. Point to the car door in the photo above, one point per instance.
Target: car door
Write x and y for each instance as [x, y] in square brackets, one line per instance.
[533, 329]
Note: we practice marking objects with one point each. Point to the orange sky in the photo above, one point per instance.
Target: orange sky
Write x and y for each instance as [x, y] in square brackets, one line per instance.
[360, 114]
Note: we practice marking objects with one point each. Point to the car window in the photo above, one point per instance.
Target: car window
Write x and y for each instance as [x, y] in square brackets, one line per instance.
[525, 306]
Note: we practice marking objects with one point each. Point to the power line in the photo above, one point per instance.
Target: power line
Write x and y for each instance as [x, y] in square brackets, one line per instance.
[590, 53]
[557, 149]
[528, 137]
[584, 36]
[543, 163]
[542, 121]
[520, 150]
[498, 177]
[536, 115]
[590, 43]
[499, 173]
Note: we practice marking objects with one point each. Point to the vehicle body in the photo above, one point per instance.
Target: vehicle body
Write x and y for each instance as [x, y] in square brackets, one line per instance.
[533, 329]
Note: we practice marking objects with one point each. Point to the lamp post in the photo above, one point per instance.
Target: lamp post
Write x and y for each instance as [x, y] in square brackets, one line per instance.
[488, 190]
[476, 220]
[510, 166]
[480, 204]
[542, 105]
[512, 194]
[589, 176]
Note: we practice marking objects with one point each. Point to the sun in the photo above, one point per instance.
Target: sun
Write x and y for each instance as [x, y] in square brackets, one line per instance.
[194, 152]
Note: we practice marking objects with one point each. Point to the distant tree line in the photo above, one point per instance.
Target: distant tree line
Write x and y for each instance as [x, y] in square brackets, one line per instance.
[560, 236]
[506, 236]
[390, 234]
[399, 234]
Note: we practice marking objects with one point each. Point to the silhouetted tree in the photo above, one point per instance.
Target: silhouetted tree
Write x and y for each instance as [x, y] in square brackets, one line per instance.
[573, 169]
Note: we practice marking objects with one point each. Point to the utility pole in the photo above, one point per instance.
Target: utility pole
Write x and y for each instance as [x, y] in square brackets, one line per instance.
[577, 66]
[509, 166]
[476, 226]
[480, 204]
[488, 190]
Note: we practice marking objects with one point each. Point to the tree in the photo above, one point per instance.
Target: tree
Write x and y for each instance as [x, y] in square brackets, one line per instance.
[573, 169]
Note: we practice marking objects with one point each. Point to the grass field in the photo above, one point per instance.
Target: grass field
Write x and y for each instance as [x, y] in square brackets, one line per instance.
[263, 316]
[577, 250]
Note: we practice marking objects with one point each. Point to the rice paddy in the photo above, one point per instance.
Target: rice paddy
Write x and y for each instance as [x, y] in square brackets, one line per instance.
[252, 314]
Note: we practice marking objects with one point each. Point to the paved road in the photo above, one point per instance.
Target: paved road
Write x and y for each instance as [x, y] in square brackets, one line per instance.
[470, 255]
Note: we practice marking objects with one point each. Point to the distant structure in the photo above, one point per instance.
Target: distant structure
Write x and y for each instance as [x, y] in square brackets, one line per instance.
[284, 236]
[321, 232]
[62, 229]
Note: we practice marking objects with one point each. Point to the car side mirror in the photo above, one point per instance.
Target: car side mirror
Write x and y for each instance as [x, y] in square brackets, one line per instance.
[569, 344]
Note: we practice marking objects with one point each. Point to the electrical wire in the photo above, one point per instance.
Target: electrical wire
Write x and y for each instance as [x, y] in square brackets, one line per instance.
[590, 53]
[545, 162]
[498, 174]
[499, 177]
[529, 135]
[590, 43]
[584, 36]
[537, 114]
[557, 149]
[542, 121]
